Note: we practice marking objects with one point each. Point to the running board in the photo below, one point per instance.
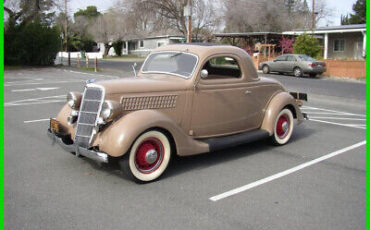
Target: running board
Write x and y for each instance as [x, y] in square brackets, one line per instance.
[219, 143]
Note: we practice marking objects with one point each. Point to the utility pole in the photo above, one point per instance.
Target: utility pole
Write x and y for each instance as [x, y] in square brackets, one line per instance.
[66, 31]
[313, 15]
[189, 35]
[65, 25]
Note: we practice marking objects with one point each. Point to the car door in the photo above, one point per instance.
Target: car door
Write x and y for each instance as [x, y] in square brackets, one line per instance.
[223, 102]
[289, 64]
[278, 63]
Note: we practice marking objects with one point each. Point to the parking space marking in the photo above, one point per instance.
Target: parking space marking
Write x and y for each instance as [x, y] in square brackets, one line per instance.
[358, 126]
[95, 75]
[43, 83]
[38, 120]
[35, 101]
[35, 79]
[336, 114]
[328, 110]
[328, 116]
[340, 118]
[34, 89]
[284, 173]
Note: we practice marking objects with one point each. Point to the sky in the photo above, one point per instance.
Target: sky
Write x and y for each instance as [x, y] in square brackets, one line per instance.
[338, 7]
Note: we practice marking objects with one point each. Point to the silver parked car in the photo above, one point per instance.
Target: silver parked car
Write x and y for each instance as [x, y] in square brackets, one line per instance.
[298, 64]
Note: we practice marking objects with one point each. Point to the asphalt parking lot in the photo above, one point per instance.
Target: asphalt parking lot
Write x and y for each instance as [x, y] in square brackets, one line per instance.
[317, 181]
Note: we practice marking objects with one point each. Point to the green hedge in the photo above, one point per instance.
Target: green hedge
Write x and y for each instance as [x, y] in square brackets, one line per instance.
[307, 44]
[31, 44]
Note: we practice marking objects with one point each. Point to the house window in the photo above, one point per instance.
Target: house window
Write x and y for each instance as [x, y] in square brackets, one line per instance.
[339, 45]
[141, 44]
[159, 44]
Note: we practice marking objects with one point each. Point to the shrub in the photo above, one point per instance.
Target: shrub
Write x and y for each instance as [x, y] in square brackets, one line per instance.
[117, 46]
[33, 43]
[306, 44]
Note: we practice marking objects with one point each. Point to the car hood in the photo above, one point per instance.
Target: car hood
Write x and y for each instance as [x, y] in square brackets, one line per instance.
[140, 84]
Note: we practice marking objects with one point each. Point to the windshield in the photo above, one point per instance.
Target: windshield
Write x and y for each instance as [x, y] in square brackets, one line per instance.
[175, 63]
[306, 58]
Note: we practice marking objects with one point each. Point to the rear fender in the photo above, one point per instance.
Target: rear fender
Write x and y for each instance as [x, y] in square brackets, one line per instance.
[277, 103]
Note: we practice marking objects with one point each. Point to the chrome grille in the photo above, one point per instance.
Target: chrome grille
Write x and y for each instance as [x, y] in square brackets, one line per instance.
[89, 112]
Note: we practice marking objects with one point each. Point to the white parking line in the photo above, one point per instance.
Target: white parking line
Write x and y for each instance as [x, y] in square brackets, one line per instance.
[358, 126]
[340, 118]
[43, 83]
[35, 101]
[32, 121]
[284, 173]
[337, 114]
[329, 110]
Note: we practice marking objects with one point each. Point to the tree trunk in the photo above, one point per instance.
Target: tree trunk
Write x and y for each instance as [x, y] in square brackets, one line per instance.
[106, 50]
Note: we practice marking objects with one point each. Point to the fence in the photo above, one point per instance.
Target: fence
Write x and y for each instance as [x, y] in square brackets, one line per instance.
[342, 68]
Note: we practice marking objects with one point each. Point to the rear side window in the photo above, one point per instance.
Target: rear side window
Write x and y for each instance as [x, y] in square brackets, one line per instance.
[291, 58]
[281, 58]
[222, 67]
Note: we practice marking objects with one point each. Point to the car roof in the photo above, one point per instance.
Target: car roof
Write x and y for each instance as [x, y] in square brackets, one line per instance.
[206, 50]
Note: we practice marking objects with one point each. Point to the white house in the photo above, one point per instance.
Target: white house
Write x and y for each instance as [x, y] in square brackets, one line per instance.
[340, 42]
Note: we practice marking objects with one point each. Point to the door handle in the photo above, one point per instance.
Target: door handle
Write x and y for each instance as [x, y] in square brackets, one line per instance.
[248, 92]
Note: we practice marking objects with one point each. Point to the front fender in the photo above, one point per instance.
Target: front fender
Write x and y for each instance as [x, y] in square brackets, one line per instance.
[277, 103]
[117, 139]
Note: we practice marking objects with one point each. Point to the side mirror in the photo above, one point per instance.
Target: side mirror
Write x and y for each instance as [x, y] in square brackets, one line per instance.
[275, 60]
[204, 73]
[133, 67]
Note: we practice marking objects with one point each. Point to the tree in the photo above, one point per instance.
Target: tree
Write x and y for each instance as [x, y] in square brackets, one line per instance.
[27, 10]
[307, 44]
[286, 45]
[271, 15]
[359, 16]
[90, 12]
[107, 28]
[33, 43]
[117, 45]
[167, 16]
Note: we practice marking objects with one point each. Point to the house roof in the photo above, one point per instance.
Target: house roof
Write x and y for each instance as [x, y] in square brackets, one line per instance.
[157, 37]
[245, 34]
[330, 29]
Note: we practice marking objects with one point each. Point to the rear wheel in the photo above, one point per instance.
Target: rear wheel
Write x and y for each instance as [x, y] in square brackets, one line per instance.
[297, 72]
[148, 157]
[283, 127]
[266, 69]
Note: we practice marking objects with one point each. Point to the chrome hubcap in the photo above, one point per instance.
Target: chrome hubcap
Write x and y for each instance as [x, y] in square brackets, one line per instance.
[151, 156]
[285, 126]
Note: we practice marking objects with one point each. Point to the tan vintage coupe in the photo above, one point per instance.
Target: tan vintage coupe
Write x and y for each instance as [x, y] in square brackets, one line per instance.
[187, 99]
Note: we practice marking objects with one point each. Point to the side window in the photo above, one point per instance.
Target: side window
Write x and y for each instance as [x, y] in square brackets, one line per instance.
[291, 58]
[281, 58]
[222, 67]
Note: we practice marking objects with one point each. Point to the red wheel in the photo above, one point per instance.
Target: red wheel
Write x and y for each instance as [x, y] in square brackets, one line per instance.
[149, 157]
[283, 127]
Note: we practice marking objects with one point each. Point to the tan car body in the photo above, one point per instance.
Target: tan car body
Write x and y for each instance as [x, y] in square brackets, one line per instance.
[190, 110]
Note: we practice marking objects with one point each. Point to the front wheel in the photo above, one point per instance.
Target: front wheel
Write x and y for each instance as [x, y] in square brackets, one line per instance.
[148, 157]
[283, 127]
[266, 69]
[297, 72]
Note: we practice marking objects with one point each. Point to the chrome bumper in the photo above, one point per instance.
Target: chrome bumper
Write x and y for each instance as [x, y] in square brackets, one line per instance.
[94, 155]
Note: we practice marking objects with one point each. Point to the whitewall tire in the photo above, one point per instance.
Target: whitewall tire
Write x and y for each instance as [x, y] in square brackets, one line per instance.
[148, 157]
[283, 127]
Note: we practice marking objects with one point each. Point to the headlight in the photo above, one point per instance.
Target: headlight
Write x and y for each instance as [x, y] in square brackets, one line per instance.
[109, 110]
[74, 99]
